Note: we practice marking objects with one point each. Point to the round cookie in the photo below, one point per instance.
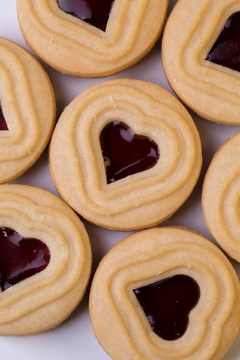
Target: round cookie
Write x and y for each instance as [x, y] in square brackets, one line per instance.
[165, 293]
[75, 47]
[27, 110]
[220, 197]
[86, 174]
[199, 52]
[45, 260]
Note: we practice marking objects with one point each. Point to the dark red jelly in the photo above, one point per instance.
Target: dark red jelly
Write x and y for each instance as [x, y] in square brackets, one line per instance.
[167, 304]
[226, 50]
[126, 153]
[3, 124]
[20, 257]
[94, 12]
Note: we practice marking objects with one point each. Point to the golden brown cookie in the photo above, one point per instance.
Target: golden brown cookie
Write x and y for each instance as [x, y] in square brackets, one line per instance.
[27, 110]
[201, 57]
[165, 293]
[75, 47]
[45, 260]
[220, 197]
[125, 154]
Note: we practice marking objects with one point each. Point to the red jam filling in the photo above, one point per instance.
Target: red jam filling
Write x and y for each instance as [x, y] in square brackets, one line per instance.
[3, 124]
[126, 153]
[94, 12]
[226, 50]
[20, 257]
[167, 305]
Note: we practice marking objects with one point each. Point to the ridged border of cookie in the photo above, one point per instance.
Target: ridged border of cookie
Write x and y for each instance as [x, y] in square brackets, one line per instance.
[145, 257]
[220, 196]
[29, 108]
[211, 90]
[74, 47]
[42, 301]
[140, 200]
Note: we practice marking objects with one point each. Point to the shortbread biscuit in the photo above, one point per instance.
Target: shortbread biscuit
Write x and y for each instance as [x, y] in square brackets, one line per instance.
[220, 197]
[162, 279]
[89, 159]
[27, 110]
[75, 47]
[200, 57]
[45, 260]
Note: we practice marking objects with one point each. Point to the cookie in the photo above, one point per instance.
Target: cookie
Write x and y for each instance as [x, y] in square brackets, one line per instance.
[201, 57]
[87, 44]
[165, 293]
[27, 110]
[125, 154]
[220, 197]
[45, 260]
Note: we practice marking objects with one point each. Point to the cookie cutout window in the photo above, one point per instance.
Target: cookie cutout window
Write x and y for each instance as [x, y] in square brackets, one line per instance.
[226, 50]
[167, 304]
[20, 257]
[126, 153]
[94, 12]
[3, 124]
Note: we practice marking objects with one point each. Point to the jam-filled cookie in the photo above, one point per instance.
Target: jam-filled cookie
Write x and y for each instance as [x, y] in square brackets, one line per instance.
[27, 110]
[220, 197]
[165, 293]
[91, 38]
[45, 260]
[125, 154]
[201, 57]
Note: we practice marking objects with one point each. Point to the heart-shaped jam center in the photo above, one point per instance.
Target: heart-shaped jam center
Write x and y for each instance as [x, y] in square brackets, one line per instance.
[94, 12]
[20, 257]
[126, 153]
[226, 50]
[3, 124]
[167, 304]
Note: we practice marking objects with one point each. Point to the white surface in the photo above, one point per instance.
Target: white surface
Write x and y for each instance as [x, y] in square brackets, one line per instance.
[74, 339]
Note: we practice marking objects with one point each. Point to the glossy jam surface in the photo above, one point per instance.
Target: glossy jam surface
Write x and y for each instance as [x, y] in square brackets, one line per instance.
[126, 153]
[3, 124]
[94, 12]
[226, 50]
[167, 304]
[20, 257]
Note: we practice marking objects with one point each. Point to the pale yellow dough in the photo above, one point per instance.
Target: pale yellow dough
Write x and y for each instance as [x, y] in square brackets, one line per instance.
[77, 48]
[42, 301]
[211, 90]
[220, 197]
[140, 200]
[28, 105]
[152, 255]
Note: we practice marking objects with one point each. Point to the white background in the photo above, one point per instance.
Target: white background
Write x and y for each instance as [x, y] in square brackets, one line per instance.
[74, 339]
